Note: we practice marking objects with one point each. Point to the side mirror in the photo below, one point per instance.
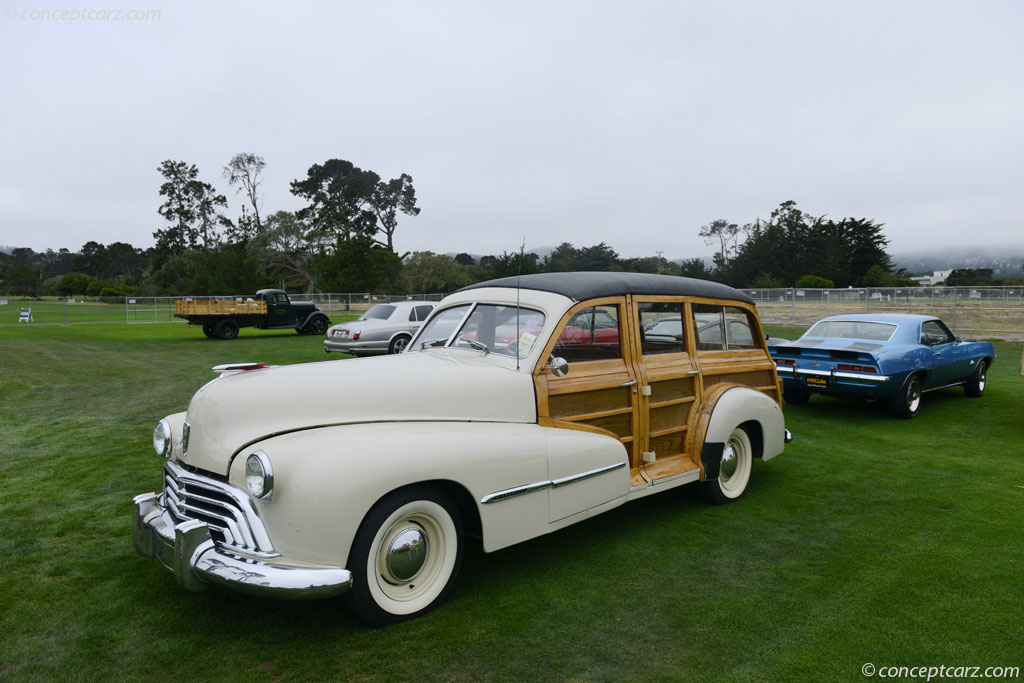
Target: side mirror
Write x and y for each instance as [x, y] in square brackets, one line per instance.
[559, 367]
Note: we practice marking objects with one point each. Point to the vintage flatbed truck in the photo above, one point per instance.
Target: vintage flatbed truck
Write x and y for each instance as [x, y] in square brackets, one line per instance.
[270, 309]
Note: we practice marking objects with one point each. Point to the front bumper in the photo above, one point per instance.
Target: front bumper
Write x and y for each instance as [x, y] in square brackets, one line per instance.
[189, 551]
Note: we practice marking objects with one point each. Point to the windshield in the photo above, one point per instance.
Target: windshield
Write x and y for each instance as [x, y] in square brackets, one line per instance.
[378, 312]
[852, 329]
[495, 326]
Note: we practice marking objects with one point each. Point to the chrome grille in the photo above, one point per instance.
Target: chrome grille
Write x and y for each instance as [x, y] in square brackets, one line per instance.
[228, 512]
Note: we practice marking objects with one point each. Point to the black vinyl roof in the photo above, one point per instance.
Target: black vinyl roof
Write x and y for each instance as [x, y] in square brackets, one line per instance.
[591, 285]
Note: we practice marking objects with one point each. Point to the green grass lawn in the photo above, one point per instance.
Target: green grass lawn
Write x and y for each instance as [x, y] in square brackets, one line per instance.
[869, 540]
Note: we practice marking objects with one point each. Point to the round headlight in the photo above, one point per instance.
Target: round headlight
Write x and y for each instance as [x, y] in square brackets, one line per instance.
[162, 438]
[259, 475]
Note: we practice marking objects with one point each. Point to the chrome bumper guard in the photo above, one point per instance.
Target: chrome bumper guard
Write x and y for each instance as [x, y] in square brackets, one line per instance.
[190, 553]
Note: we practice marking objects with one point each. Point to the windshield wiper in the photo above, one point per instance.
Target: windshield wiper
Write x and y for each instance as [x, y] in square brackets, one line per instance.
[430, 343]
[478, 345]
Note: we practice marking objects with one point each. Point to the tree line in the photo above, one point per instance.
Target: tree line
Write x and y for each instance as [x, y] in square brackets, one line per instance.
[344, 240]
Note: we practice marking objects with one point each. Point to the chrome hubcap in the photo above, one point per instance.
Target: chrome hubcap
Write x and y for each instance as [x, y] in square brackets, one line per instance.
[406, 554]
[914, 396]
[400, 344]
[729, 462]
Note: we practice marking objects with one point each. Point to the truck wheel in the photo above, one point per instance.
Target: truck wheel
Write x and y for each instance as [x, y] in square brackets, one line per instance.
[737, 461]
[208, 331]
[226, 329]
[398, 344]
[405, 555]
[317, 326]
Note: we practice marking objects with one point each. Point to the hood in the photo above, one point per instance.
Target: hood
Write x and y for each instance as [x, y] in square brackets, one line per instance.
[237, 410]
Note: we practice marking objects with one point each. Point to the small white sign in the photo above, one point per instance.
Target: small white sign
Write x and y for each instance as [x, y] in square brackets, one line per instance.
[3, 302]
[131, 301]
[799, 292]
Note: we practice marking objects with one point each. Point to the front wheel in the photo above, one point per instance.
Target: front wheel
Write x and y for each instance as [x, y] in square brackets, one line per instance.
[208, 331]
[907, 401]
[405, 555]
[734, 473]
[317, 326]
[975, 386]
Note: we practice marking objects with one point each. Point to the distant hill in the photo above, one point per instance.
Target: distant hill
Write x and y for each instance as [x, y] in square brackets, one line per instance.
[1005, 261]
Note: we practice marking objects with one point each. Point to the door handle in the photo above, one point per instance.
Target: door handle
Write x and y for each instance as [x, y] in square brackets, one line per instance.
[628, 384]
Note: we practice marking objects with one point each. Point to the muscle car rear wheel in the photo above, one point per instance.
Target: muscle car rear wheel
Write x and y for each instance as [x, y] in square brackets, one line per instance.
[907, 401]
[734, 474]
[975, 386]
[795, 396]
[405, 555]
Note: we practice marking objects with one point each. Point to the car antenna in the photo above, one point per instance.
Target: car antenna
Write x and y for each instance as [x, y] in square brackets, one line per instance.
[522, 251]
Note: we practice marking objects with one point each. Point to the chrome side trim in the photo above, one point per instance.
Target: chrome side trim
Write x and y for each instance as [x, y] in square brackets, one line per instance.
[833, 373]
[541, 485]
[586, 475]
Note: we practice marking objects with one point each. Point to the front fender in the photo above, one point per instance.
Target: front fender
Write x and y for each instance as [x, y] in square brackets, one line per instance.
[327, 479]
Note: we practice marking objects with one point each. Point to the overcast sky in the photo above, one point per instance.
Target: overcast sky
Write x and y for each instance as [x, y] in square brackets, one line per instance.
[629, 123]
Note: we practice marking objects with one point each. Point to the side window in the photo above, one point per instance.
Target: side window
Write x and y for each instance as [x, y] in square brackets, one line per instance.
[933, 333]
[281, 298]
[423, 312]
[412, 315]
[709, 327]
[739, 329]
[661, 327]
[591, 334]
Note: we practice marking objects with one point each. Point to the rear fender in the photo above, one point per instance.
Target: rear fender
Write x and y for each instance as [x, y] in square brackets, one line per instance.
[727, 406]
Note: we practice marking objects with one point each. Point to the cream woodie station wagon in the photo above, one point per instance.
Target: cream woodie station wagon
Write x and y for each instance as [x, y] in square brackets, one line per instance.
[523, 405]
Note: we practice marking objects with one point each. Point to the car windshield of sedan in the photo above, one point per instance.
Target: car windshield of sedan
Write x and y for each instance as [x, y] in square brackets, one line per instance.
[852, 329]
[378, 312]
[474, 326]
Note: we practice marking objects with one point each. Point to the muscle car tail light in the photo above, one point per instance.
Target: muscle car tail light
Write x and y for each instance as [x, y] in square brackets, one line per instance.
[844, 367]
[785, 361]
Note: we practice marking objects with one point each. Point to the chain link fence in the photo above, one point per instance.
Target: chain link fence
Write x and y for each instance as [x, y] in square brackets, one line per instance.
[996, 312]
[992, 311]
[160, 309]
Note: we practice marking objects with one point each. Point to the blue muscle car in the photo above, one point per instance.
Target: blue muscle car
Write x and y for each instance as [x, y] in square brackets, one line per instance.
[886, 356]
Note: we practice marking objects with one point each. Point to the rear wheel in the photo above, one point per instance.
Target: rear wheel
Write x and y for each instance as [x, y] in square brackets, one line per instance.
[734, 473]
[208, 331]
[975, 386]
[907, 401]
[226, 329]
[398, 344]
[405, 555]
